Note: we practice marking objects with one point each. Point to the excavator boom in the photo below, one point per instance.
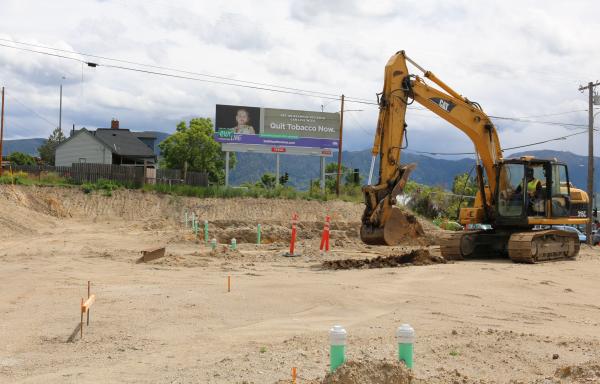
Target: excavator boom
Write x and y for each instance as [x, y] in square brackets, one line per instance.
[400, 89]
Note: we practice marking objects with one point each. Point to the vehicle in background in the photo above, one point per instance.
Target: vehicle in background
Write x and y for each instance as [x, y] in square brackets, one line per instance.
[479, 227]
[582, 236]
[596, 238]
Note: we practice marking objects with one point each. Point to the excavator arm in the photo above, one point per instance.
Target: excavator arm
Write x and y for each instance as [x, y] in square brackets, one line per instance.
[382, 222]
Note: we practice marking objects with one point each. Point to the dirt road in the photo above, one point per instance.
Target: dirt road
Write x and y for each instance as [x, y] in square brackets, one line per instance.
[172, 320]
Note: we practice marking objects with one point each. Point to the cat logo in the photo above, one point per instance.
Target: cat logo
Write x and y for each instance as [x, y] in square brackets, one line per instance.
[444, 104]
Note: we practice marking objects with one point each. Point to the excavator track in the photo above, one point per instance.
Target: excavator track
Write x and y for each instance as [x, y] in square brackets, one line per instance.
[522, 247]
[450, 245]
[461, 245]
[537, 246]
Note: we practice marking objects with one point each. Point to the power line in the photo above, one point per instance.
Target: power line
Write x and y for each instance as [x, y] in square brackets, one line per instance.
[545, 141]
[257, 85]
[551, 114]
[92, 64]
[503, 149]
[519, 120]
[34, 112]
[286, 90]
[177, 70]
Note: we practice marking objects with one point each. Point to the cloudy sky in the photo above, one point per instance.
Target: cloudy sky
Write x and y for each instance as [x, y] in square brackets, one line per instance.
[521, 59]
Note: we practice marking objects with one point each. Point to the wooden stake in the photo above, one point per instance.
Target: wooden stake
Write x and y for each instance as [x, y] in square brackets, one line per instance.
[228, 283]
[88, 312]
[293, 375]
[81, 321]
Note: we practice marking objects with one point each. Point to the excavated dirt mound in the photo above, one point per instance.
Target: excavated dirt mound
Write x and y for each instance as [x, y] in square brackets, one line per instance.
[365, 372]
[414, 257]
[355, 372]
[584, 373]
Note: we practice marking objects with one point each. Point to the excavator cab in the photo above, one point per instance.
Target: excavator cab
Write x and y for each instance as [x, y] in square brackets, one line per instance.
[531, 191]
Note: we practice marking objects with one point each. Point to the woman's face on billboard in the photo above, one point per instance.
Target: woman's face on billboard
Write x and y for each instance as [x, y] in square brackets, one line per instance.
[241, 117]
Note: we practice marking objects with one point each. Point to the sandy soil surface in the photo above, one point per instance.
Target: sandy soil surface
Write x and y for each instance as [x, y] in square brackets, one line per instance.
[173, 321]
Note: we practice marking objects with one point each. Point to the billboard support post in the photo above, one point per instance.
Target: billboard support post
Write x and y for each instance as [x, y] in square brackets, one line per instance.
[227, 169]
[339, 167]
[322, 182]
[277, 168]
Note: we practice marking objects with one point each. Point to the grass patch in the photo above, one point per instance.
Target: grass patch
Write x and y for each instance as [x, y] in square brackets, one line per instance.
[107, 187]
[246, 191]
[43, 178]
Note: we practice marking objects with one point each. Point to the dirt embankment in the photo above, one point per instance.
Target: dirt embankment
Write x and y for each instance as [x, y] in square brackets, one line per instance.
[32, 209]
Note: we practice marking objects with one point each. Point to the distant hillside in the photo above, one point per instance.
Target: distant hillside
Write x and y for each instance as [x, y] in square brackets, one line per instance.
[28, 146]
[431, 171]
[160, 136]
[302, 169]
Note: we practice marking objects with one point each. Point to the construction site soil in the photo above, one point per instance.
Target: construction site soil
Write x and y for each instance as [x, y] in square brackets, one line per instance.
[174, 319]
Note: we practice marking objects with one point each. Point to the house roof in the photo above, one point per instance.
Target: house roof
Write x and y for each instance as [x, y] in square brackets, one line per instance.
[119, 141]
[123, 142]
[82, 131]
[145, 135]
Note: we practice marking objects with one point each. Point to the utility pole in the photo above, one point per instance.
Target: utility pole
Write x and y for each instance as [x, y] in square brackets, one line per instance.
[590, 184]
[339, 169]
[60, 111]
[1, 130]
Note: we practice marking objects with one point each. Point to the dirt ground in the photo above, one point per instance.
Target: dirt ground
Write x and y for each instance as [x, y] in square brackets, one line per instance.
[172, 320]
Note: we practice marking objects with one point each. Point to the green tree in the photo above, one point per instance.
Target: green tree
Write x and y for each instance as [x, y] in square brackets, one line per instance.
[20, 158]
[194, 144]
[464, 186]
[330, 180]
[284, 179]
[48, 149]
[426, 200]
[349, 177]
[268, 181]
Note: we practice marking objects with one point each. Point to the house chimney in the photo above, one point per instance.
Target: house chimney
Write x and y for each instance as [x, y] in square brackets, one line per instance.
[114, 124]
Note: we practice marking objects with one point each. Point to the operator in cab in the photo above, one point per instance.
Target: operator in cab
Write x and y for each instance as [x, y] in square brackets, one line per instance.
[535, 199]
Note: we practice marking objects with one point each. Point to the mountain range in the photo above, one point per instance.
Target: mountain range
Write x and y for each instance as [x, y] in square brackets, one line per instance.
[430, 170]
[301, 169]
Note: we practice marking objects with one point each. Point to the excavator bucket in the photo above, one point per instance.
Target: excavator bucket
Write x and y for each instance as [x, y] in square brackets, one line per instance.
[383, 222]
[400, 227]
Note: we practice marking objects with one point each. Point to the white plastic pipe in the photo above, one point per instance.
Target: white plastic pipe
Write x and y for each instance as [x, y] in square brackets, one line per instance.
[371, 170]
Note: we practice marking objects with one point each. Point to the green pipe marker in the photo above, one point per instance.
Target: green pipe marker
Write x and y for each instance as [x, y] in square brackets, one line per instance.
[185, 218]
[206, 231]
[213, 244]
[258, 234]
[233, 244]
[337, 347]
[405, 337]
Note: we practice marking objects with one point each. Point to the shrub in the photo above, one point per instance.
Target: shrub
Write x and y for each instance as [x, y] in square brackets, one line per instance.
[14, 178]
[87, 187]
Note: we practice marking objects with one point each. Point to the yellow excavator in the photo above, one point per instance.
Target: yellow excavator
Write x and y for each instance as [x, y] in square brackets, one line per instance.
[514, 195]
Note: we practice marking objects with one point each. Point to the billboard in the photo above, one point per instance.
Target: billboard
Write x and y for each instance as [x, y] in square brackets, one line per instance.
[235, 124]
